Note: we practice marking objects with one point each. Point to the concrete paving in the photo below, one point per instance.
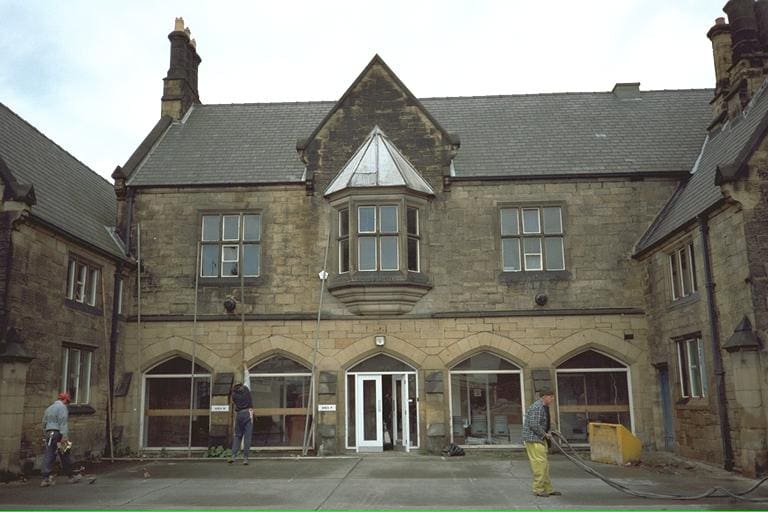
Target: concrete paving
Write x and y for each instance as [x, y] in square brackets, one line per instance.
[384, 481]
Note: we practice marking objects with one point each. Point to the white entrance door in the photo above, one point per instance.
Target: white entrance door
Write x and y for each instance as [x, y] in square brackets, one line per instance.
[400, 383]
[368, 417]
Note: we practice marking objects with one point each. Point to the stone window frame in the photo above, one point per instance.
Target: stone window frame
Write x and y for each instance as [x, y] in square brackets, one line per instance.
[520, 235]
[678, 257]
[74, 389]
[349, 238]
[221, 242]
[689, 374]
[82, 290]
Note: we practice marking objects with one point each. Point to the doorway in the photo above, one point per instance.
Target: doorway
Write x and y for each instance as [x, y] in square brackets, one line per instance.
[382, 406]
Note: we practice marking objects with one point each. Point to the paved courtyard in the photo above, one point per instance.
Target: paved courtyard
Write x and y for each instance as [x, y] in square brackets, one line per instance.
[398, 481]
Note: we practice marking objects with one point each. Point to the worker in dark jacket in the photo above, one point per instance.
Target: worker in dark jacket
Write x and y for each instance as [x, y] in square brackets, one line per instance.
[56, 432]
[241, 398]
[535, 436]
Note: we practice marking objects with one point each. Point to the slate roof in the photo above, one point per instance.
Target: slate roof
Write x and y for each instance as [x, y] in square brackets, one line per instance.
[511, 136]
[378, 163]
[723, 147]
[70, 196]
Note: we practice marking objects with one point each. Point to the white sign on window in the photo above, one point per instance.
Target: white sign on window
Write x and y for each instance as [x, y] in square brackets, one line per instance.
[326, 407]
[219, 408]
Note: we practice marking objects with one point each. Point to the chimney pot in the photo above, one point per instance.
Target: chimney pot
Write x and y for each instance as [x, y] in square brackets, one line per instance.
[626, 90]
[179, 25]
[720, 21]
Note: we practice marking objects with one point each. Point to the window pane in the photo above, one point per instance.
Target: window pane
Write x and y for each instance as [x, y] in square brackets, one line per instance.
[367, 256]
[366, 221]
[413, 254]
[693, 268]
[82, 273]
[388, 219]
[682, 361]
[552, 221]
[685, 272]
[93, 290]
[389, 253]
[693, 357]
[509, 224]
[344, 222]
[531, 220]
[85, 378]
[673, 264]
[71, 280]
[553, 250]
[344, 256]
[252, 228]
[412, 221]
[231, 227]
[251, 260]
[510, 248]
[73, 373]
[532, 249]
[229, 259]
[209, 261]
[210, 228]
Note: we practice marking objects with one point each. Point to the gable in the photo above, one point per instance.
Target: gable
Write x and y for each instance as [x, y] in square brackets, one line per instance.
[377, 98]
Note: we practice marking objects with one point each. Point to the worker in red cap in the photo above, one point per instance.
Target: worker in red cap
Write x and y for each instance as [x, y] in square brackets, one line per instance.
[56, 439]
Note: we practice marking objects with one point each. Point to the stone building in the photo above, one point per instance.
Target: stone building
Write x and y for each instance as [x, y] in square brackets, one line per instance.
[434, 262]
[60, 264]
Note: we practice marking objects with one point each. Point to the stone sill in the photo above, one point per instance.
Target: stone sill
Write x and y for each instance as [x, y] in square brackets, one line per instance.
[229, 282]
[379, 293]
[85, 308]
[80, 409]
[535, 276]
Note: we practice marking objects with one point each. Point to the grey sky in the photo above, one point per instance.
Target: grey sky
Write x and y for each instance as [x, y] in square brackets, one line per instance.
[88, 74]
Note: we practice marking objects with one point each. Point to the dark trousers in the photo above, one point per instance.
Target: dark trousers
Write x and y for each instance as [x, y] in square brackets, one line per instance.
[243, 432]
[52, 438]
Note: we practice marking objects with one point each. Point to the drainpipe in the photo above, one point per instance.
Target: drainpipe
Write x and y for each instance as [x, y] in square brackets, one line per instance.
[722, 410]
[113, 355]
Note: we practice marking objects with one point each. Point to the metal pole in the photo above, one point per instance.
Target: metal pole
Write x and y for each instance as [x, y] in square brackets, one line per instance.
[194, 353]
[138, 338]
[311, 402]
[109, 379]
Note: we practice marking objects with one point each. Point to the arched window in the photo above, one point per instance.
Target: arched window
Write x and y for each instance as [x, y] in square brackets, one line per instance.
[592, 387]
[280, 392]
[486, 401]
[168, 388]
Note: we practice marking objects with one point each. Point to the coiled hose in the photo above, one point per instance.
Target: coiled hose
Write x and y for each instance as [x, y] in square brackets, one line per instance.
[715, 492]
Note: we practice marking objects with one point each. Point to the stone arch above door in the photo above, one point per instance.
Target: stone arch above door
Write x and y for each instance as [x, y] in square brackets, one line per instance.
[276, 344]
[365, 347]
[175, 346]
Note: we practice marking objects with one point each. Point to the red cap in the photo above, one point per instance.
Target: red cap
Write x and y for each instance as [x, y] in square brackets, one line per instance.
[64, 396]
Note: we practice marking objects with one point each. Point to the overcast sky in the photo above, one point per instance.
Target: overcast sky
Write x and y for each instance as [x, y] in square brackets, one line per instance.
[88, 74]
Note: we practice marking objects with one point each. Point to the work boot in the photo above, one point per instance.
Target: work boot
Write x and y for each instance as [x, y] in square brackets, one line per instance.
[245, 462]
[46, 482]
[74, 479]
[541, 494]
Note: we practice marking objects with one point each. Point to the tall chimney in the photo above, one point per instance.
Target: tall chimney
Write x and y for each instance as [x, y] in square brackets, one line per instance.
[741, 16]
[720, 35]
[180, 84]
[761, 13]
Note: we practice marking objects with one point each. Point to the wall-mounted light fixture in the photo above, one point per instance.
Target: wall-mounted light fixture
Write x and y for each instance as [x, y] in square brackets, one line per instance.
[230, 304]
[380, 340]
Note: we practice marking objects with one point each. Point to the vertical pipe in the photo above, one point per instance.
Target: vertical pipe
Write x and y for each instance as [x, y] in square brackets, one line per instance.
[722, 409]
[312, 387]
[194, 352]
[139, 379]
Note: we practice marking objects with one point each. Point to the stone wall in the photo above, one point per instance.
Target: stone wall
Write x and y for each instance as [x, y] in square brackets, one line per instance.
[37, 307]
[697, 428]
[430, 346]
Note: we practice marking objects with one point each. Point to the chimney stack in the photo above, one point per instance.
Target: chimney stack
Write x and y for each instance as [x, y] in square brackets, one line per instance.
[180, 85]
[740, 50]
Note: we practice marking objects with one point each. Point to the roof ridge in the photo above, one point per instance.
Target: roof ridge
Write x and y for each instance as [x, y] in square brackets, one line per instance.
[311, 102]
[53, 142]
[566, 93]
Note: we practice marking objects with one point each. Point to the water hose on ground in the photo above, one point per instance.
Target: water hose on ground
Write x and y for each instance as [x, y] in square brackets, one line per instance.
[715, 492]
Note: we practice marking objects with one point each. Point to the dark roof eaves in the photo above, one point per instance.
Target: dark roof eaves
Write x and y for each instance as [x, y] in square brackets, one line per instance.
[631, 175]
[134, 162]
[118, 255]
[639, 254]
[228, 184]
